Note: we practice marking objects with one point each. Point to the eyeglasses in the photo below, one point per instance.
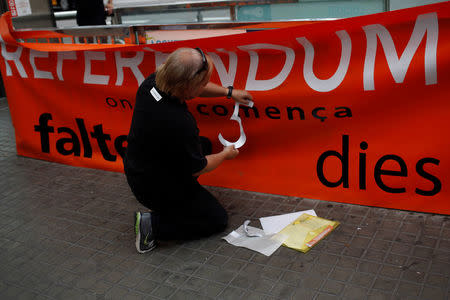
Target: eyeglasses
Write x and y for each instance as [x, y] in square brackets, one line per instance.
[204, 62]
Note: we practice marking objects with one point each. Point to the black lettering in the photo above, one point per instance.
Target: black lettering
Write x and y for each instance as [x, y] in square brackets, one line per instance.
[101, 138]
[73, 140]
[378, 172]
[247, 113]
[362, 166]
[344, 112]
[437, 183]
[111, 102]
[273, 112]
[199, 109]
[84, 138]
[118, 144]
[123, 101]
[316, 115]
[44, 130]
[224, 110]
[344, 163]
[301, 113]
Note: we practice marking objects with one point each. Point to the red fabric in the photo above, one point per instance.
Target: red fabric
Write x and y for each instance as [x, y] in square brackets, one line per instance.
[386, 121]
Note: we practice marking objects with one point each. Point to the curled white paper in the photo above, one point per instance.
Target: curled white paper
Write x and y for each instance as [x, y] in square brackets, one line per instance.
[242, 138]
[248, 233]
[265, 244]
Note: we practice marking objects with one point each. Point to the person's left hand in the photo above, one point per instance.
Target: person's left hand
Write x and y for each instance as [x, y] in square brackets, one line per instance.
[241, 96]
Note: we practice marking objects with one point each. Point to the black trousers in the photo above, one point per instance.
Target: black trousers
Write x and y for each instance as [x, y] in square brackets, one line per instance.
[187, 213]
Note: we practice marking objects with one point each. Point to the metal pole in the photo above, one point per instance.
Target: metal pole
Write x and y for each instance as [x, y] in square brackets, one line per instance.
[387, 5]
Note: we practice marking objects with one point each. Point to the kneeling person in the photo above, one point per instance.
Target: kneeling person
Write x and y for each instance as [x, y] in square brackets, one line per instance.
[165, 153]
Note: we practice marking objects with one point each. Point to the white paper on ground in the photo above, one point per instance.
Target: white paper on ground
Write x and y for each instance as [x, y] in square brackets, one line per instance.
[274, 224]
[250, 233]
[242, 138]
[266, 244]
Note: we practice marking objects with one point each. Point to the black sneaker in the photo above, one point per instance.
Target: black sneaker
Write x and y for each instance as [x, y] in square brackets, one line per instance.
[145, 241]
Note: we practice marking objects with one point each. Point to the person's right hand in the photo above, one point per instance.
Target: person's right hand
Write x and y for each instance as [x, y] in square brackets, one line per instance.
[109, 8]
[230, 152]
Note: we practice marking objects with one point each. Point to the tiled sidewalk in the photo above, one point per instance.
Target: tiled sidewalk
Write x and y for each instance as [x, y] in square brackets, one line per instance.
[67, 233]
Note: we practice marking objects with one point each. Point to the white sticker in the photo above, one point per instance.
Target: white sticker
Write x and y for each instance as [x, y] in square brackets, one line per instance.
[155, 94]
[235, 117]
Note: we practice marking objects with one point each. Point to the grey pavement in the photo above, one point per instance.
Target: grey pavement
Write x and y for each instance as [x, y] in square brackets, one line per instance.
[67, 233]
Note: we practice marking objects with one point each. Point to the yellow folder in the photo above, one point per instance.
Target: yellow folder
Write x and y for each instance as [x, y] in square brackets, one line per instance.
[306, 231]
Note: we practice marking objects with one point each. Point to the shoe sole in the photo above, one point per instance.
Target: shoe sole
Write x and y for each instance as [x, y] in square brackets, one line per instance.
[137, 223]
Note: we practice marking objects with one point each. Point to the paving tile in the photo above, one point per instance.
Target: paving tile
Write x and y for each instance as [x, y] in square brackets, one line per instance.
[233, 265]
[11, 292]
[232, 293]
[323, 296]
[434, 293]
[408, 289]
[341, 274]
[271, 273]
[100, 287]
[354, 252]
[187, 295]
[369, 267]
[215, 274]
[422, 252]
[333, 287]
[282, 291]
[321, 270]
[163, 291]
[212, 289]
[66, 233]
[175, 280]
[354, 292]
[379, 244]
[375, 255]
[384, 283]
[391, 271]
[362, 279]
[396, 259]
[250, 295]
[146, 286]
[441, 268]
[326, 258]
[347, 262]
[313, 282]
[441, 255]
[304, 293]
[419, 264]
[293, 278]
[414, 276]
[388, 235]
[437, 280]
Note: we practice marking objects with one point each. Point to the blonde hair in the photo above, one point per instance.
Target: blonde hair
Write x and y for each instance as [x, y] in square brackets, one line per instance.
[179, 72]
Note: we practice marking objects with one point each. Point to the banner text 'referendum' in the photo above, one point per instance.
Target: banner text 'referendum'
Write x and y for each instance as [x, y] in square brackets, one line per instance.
[426, 24]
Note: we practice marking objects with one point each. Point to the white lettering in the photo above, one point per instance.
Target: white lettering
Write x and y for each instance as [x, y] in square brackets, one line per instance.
[326, 85]
[39, 73]
[226, 78]
[93, 78]
[426, 23]
[160, 57]
[15, 57]
[129, 62]
[267, 84]
[69, 55]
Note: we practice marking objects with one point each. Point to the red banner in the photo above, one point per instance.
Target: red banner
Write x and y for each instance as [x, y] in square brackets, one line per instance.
[353, 110]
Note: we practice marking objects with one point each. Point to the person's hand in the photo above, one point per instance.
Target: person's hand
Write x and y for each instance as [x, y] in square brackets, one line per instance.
[241, 96]
[230, 152]
[109, 8]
